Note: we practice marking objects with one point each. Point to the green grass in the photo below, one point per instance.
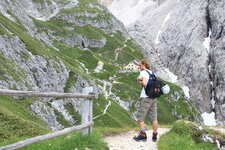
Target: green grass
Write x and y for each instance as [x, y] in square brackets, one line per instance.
[31, 44]
[71, 142]
[76, 116]
[89, 32]
[116, 116]
[17, 122]
[183, 137]
[70, 81]
[164, 112]
[8, 68]
[173, 141]
[127, 86]
[61, 120]
[2, 31]
[175, 102]
[42, 1]
[126, 54]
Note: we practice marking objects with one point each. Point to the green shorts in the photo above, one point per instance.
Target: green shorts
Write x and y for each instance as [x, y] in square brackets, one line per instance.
[147, 106]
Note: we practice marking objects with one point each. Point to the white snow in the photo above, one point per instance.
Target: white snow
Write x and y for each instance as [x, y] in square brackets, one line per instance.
[213, 102]
[172, 76]
[130, 11]
[159, 32]
[206, 42]
[157, 37]
[186, 91]
[166, 19]
[209, 119]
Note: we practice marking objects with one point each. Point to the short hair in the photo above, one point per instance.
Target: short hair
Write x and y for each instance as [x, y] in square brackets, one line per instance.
[145, 63]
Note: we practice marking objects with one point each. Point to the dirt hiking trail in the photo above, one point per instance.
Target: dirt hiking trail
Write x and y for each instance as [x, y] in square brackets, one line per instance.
[125, 141]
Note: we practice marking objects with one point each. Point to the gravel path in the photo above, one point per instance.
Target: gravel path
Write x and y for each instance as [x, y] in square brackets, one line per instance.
[125, 141]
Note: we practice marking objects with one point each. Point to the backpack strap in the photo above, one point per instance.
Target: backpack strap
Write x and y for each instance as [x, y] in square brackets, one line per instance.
[151, 75]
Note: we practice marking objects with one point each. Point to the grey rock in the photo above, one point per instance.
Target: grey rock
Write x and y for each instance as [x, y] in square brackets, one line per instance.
[217, 24]
[44, 73]
[160, 2]
[35, 72]
[14, 10]
[181, 49]
[47, 114]
[59, 106]
[146, 29]
[76, 40]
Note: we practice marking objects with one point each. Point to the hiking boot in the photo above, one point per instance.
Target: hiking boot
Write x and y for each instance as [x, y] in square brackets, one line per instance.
[141, 137]
[154, 136]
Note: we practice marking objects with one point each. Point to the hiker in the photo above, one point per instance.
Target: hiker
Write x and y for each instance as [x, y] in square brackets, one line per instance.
[147, 106]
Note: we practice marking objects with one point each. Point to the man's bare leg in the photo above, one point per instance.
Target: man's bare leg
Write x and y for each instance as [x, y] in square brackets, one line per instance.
[155, 125]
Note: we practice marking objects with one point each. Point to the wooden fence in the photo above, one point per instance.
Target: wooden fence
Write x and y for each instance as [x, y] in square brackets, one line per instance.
[86, 96]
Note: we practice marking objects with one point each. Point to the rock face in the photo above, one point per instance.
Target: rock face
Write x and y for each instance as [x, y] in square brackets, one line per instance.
[181, 49]
[148, 27]
[217, 49]
[179, 43]
[32, 62]
[106, 2]
[25, 70]
[34, 72]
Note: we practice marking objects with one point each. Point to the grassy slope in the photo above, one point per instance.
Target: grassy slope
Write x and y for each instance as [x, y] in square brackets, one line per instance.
[183, 136]
[67, 54]
[17, 122]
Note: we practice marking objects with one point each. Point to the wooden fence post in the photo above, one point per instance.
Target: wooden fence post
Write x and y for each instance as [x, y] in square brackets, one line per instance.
[87, 111]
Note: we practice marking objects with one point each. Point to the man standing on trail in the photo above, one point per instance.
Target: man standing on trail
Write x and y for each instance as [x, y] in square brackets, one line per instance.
[147, 106]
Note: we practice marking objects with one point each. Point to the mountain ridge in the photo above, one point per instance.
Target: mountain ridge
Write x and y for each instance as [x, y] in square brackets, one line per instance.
[186, 37]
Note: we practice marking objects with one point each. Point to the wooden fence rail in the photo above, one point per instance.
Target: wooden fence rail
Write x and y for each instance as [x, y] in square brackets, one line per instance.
[86, 117]
[36, 139]
[89, 95]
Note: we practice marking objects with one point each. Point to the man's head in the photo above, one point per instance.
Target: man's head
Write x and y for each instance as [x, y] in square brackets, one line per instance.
[144, 65]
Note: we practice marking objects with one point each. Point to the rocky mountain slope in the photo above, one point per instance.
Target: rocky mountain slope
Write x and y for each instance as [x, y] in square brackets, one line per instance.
[63, 46]
[56, 46]
[187, 37]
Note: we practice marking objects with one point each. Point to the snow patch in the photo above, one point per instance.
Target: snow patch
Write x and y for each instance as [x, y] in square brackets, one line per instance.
[209, 119]
[172, 76]
[165, 20]
[167, 75]
[207, 40]
[186, 91]
[213, 102]
[157, 37]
